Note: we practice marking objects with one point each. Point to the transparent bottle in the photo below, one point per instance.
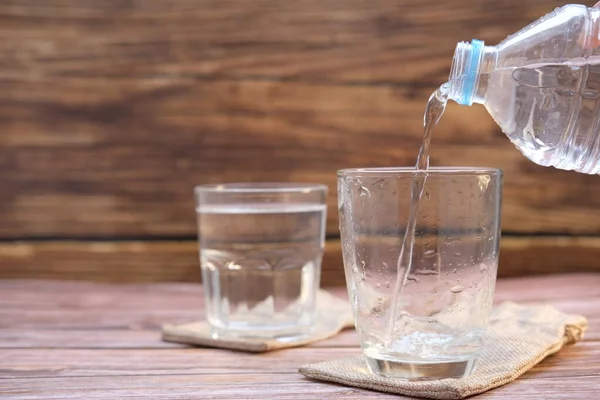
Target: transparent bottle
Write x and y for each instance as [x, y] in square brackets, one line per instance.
[542, 87]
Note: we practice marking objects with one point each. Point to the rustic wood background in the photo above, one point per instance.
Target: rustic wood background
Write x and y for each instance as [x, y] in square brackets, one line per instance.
[112, 110]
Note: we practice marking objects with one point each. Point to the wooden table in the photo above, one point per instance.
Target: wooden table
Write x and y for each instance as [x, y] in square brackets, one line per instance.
[89, 341]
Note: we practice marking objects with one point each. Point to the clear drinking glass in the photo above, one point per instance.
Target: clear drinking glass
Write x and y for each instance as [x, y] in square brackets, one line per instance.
[425, 320]
[261, 246]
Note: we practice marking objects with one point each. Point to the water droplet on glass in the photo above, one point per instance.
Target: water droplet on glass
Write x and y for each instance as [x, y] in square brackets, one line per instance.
[376, 311]
[363, 191]
[454, 270]
[427, 271]
[482, 268]
[363, 268]
[429, 252]
[427, 195]
[412, 278]
[456, 289]
[379, 183]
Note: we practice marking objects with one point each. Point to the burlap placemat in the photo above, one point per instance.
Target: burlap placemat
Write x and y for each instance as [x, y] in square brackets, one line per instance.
[518, 338]
[333, 315]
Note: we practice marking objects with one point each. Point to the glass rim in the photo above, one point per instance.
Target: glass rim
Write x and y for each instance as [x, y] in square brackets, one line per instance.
[262, 187]
[410, 171]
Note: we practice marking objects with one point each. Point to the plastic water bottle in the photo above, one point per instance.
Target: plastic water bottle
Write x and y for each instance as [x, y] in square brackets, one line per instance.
[541, 86]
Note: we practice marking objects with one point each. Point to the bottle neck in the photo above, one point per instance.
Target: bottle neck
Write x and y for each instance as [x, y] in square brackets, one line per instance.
[468, 75]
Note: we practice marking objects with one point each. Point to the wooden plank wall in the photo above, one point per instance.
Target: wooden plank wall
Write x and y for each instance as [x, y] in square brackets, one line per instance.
[112, 110]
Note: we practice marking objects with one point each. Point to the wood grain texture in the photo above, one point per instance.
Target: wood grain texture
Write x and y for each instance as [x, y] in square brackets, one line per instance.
[282, 386]
[156, 261]
[116, 352]
[205, 363]
[113, 110]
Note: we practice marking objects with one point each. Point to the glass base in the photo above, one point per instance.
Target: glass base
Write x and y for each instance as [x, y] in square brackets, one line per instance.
[422, 370]
[283, 334]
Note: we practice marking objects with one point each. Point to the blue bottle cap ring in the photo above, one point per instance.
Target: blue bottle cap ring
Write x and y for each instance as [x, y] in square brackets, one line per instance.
[470, 77]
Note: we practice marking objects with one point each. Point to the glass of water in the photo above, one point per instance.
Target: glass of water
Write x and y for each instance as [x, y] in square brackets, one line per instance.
[261, 246]
[421, 292]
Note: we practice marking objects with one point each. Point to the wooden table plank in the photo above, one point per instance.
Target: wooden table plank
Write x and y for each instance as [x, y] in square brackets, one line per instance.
[68, 340]
[12, 338]
[260, 386]
[569, 366]
[579, 360]
[24, 338]
[287, 387]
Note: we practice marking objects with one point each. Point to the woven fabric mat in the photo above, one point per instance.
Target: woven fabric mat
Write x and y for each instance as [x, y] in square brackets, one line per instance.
[518, 338]
[333, 315]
